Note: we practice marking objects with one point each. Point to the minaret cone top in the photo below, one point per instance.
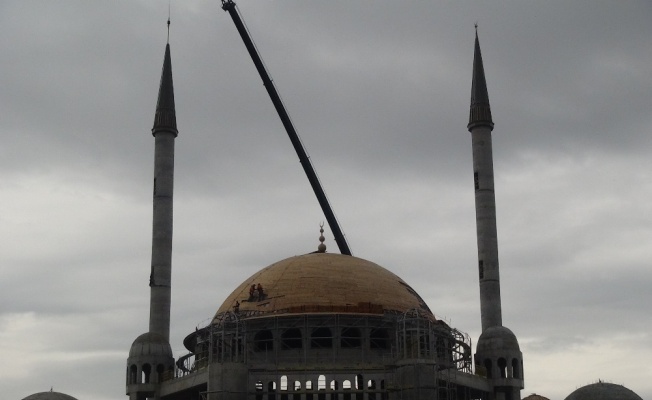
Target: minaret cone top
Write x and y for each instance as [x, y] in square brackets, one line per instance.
[165, 118]
[480, 114]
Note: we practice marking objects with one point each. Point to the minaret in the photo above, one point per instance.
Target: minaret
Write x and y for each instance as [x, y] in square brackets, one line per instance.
[150, 358]
[164, 132]
[498, 356]
[480, 125]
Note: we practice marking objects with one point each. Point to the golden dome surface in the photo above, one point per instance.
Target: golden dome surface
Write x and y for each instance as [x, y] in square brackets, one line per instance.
[323, 283]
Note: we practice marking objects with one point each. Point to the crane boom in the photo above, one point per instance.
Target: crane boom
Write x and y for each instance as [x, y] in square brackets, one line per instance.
[230, 7]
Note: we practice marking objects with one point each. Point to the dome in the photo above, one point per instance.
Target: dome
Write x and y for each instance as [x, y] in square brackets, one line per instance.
[497, 337]
[535, 396]
[603, 391]
[150, 344]
[322, 283]
[49, 396]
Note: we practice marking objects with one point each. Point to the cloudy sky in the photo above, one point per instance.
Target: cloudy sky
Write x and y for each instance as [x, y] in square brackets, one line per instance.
[379, 92]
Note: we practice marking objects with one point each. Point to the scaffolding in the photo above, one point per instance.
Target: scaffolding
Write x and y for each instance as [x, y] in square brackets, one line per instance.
[348, 356]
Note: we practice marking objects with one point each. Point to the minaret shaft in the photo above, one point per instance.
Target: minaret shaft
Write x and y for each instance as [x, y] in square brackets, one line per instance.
[160, 281]
[485, 217]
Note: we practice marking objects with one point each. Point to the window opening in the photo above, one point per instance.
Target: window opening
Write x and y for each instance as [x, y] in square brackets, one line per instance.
[271, 389]
[291, 339]
[321, 338]
[502, 367]
[351, 338]
[515, 370]
[259, 388]
[147, 369]
[489, 368]
[263, 340]
[133, 374]
[371, 385]
[379, 338]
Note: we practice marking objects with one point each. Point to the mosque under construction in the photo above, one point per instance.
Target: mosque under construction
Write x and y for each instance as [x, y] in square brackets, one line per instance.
[323, 325]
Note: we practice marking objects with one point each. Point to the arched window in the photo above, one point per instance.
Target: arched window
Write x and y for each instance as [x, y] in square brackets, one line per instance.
[502, 367]
[147, 371]
[321, 338]
[359, 385]
[346, 385]
[160, 372]
[350, 338]
[321, 387]
[309, 395]
[291, 339]
[133, 374]
[379, 338]
[371, 385]
[516, 373]
[271, 390]
[263, 340]
[259, 389]
[489, 368]
[284, 382]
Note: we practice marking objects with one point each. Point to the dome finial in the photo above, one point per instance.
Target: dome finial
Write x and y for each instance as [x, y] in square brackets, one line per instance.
[322, 247]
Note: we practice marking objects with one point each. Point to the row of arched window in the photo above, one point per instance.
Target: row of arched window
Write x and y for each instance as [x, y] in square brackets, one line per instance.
[353, 389]
[321, 337]
[145, 374]
[513, 370]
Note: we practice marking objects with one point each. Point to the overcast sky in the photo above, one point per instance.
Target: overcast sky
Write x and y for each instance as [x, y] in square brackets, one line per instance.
[379, 92]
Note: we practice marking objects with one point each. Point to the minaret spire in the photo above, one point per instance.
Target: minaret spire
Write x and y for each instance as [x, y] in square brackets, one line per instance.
[165, 118]
[164, 132]
[480, 113]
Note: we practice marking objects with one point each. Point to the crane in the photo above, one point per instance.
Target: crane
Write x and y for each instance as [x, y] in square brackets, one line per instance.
[230, 7]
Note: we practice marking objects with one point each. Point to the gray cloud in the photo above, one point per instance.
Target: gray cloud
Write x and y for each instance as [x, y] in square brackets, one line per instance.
[379, 94]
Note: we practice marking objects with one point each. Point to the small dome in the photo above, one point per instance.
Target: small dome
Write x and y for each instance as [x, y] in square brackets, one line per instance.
[323, 282]
[535, 396]
[603, 391]
[497, 337]
[49, 396]
[150, 344]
